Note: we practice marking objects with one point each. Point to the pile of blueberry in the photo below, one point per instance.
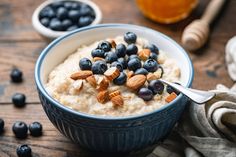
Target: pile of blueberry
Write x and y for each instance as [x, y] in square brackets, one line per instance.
[66, 15]
[126, 57]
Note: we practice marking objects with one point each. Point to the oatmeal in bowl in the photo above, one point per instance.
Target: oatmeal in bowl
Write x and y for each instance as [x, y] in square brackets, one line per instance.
[115, 77]
[99, 86]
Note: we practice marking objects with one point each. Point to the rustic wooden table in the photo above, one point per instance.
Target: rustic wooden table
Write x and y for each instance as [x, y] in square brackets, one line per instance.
[20, 46]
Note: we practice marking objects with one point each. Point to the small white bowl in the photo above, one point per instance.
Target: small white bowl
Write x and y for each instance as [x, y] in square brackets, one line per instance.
[46, 32]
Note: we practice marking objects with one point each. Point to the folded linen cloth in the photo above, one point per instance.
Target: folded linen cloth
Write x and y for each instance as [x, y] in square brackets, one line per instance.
[204, 130]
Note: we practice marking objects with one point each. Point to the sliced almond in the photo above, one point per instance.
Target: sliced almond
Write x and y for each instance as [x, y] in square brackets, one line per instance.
[117, 100]
[78, 85]
[98, 59]
[144, 54]
[171, 97]
[113, 43]
[102, 84]
[136, 82]
[113, 94]
[103, 96]
[151, 76]
[83, 74]
[158, 73]
[92, 81]
[112, 73]
[130, 74]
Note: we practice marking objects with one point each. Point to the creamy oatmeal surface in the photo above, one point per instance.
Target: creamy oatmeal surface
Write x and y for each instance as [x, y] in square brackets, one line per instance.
[70, 93]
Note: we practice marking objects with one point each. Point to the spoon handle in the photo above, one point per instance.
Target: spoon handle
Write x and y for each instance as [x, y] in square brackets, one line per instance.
[198, 96]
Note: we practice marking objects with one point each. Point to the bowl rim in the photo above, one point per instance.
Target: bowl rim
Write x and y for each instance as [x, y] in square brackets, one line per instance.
[54, 34]
[43, 91]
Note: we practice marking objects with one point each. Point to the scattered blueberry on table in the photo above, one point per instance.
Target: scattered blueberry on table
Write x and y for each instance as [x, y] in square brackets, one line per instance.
[16, 75]
[1, 125]
[18, 99]
[20, 129]
[35, 129]
[24, 151]
[66, 15]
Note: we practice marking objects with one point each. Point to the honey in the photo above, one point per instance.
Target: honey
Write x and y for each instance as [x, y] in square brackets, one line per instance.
[166, 11]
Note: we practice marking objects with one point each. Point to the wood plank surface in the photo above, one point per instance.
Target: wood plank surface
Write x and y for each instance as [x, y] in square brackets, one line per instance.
[20, 46]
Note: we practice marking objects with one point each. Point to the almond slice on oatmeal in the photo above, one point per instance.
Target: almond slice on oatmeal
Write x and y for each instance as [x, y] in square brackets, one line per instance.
[171, 97]
[136, 82]
[112, 73]
[102, 84]
[103, 96]
[98, 59]
[83, 74]
[92, 81]
[151, 76]
[113, 94]
[78, 85]
[130, 74]
[117, 100]
[144, 54]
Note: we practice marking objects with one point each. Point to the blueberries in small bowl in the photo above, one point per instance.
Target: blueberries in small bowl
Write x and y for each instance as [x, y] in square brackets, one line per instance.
[62, 15]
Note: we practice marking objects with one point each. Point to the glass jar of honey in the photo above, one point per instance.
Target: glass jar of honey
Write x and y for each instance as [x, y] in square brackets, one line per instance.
[166, 11]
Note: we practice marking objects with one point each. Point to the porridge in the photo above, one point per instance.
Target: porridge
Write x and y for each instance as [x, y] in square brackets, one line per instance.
[115, 77]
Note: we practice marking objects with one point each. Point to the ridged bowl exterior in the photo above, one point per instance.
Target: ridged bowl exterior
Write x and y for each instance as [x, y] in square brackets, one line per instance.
[114, 136]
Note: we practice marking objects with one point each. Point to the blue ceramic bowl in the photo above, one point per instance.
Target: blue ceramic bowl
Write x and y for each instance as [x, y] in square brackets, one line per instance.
[119, 134]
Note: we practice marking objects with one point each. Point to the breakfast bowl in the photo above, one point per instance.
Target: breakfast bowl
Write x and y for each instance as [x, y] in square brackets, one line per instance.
[54, 10]
[106, 133]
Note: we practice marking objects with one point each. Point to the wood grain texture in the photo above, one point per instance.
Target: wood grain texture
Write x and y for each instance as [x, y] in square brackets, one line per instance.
[20, 46]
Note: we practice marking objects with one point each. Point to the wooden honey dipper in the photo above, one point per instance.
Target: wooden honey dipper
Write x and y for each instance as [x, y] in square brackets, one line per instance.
[196, 33]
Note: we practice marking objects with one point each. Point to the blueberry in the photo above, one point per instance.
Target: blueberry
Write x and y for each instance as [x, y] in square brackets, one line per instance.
[130, 37]
[74, 15]
[45, 21]
[76, 5]
[150, 65]
[85, 21]
[141, 71]
[123, 62]
[111, 57]
[133, 56]
[99, 67]
[35, 129]
[62, 13]
[131, 49]
[156, 86]
[153, 56]
[66, 24]
[23, 151]
[85, 64]
[120, 50]
[134, 64]
[118, 65]
[68, 5]
[20, 129]
[98, 53]
[16, 75]
[153, 48]
[71, 28]
[47, 12]
[18, 99]
[1, 125]
[121, 79]
[85, 10]
[55, 25]
[104, 45]
[145, 93]
[56, 5]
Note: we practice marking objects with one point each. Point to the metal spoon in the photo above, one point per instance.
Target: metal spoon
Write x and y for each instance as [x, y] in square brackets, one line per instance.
[198, 96]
